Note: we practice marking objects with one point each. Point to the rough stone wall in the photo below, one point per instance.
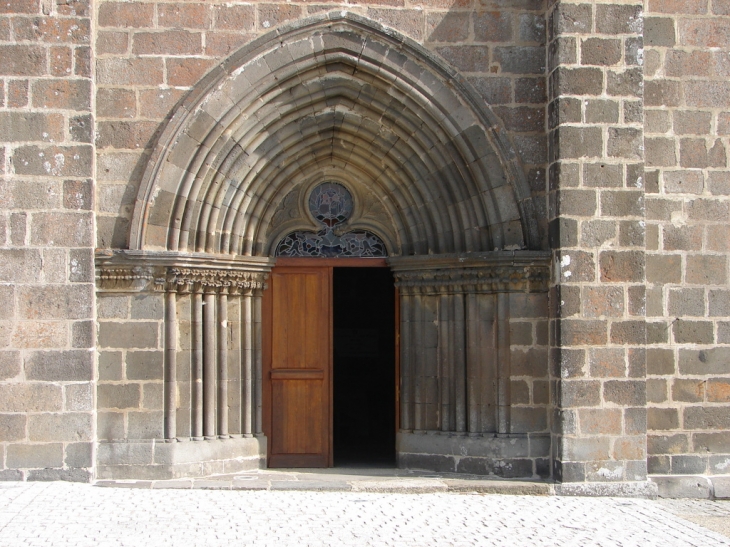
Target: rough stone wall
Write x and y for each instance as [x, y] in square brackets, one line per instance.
[596, 216]
[150, 53]
[687, 95]
[47, 331]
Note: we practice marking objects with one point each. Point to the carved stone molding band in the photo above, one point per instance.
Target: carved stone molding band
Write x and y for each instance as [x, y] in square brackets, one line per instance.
[134, 278]
[526, 271]
[184, 279]
[139, 271]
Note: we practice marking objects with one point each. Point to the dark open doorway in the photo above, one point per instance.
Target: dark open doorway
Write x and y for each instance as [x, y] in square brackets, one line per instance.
[364, 367]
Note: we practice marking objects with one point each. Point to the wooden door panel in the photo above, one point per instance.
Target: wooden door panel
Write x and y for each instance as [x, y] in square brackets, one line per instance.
[299, 367]
[298, 417]
[301, 319]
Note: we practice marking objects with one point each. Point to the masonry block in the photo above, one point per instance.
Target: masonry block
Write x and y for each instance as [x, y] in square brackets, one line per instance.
[118, 396]
[35, 455]
[128, 335]
[693, 332]
[706, 418]
[12, 427]
[622, 266]
[144, 365]
[66, 427]
[715, 443]
[145, 425]
[577, 393]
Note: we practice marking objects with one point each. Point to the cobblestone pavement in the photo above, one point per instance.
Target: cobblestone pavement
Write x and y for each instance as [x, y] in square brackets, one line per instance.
[714, 515]
[52, 514]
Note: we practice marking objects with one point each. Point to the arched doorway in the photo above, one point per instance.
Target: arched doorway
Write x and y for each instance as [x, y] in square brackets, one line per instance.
[434, 182]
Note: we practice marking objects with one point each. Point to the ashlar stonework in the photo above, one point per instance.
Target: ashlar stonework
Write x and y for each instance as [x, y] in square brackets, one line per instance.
[549, 178]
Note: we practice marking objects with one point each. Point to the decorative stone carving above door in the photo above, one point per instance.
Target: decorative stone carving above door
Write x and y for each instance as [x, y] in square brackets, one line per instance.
[332, 207]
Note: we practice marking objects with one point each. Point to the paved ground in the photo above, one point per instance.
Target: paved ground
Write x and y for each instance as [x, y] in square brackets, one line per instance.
[714, 515]
[50, 514]
[339, 479]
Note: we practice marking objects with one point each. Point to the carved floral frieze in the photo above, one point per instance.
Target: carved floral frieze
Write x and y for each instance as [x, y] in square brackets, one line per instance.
[195, 279]
[145, 272]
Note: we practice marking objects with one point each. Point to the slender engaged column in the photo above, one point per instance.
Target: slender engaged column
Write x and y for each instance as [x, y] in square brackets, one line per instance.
[258, 365]
[459, 365]
[170, 364]
[488, 361]
[503, 364]
[451, 356]
[209, 372]
[473, 376]
[248, 357]
[406, 350]
[223, 363]
[197, 365]
[445, 380]
[417, 363]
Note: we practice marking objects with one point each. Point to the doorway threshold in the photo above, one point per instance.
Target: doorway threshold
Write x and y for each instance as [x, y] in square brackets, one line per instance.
[350, 479]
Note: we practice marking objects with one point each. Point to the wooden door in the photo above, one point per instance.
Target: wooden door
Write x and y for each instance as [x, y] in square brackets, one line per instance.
[297, 367]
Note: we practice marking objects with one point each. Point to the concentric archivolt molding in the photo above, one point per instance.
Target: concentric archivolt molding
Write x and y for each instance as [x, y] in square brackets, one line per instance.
[334, 97]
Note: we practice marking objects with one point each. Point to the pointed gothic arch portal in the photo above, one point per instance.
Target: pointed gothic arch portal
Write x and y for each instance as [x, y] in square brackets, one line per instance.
[434, 182]
[334, 97]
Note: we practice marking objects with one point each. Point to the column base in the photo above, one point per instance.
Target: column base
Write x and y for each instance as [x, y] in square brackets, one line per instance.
[157, 460]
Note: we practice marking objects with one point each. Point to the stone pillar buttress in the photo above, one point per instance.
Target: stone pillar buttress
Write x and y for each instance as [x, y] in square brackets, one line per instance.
[597, 237]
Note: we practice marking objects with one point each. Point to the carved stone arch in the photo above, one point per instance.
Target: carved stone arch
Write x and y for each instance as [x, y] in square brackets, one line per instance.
[335, 92]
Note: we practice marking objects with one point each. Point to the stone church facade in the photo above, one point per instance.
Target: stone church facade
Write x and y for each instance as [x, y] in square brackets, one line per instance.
[548, 179]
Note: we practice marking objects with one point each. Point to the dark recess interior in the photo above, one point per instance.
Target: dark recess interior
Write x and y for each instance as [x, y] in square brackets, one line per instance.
[364, 367]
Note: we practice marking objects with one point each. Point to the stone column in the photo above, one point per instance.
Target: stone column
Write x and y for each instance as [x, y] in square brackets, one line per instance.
[259, 287]
[406, 349]
[170, 388]
[596, 231]
[504, 373]
[209, 363]
[446, 385]
[458, 341]
[481, 360]
[473, 362]
[247, 381]
[417, 354]
[196, 362]
[212, 401]
[223, 362]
